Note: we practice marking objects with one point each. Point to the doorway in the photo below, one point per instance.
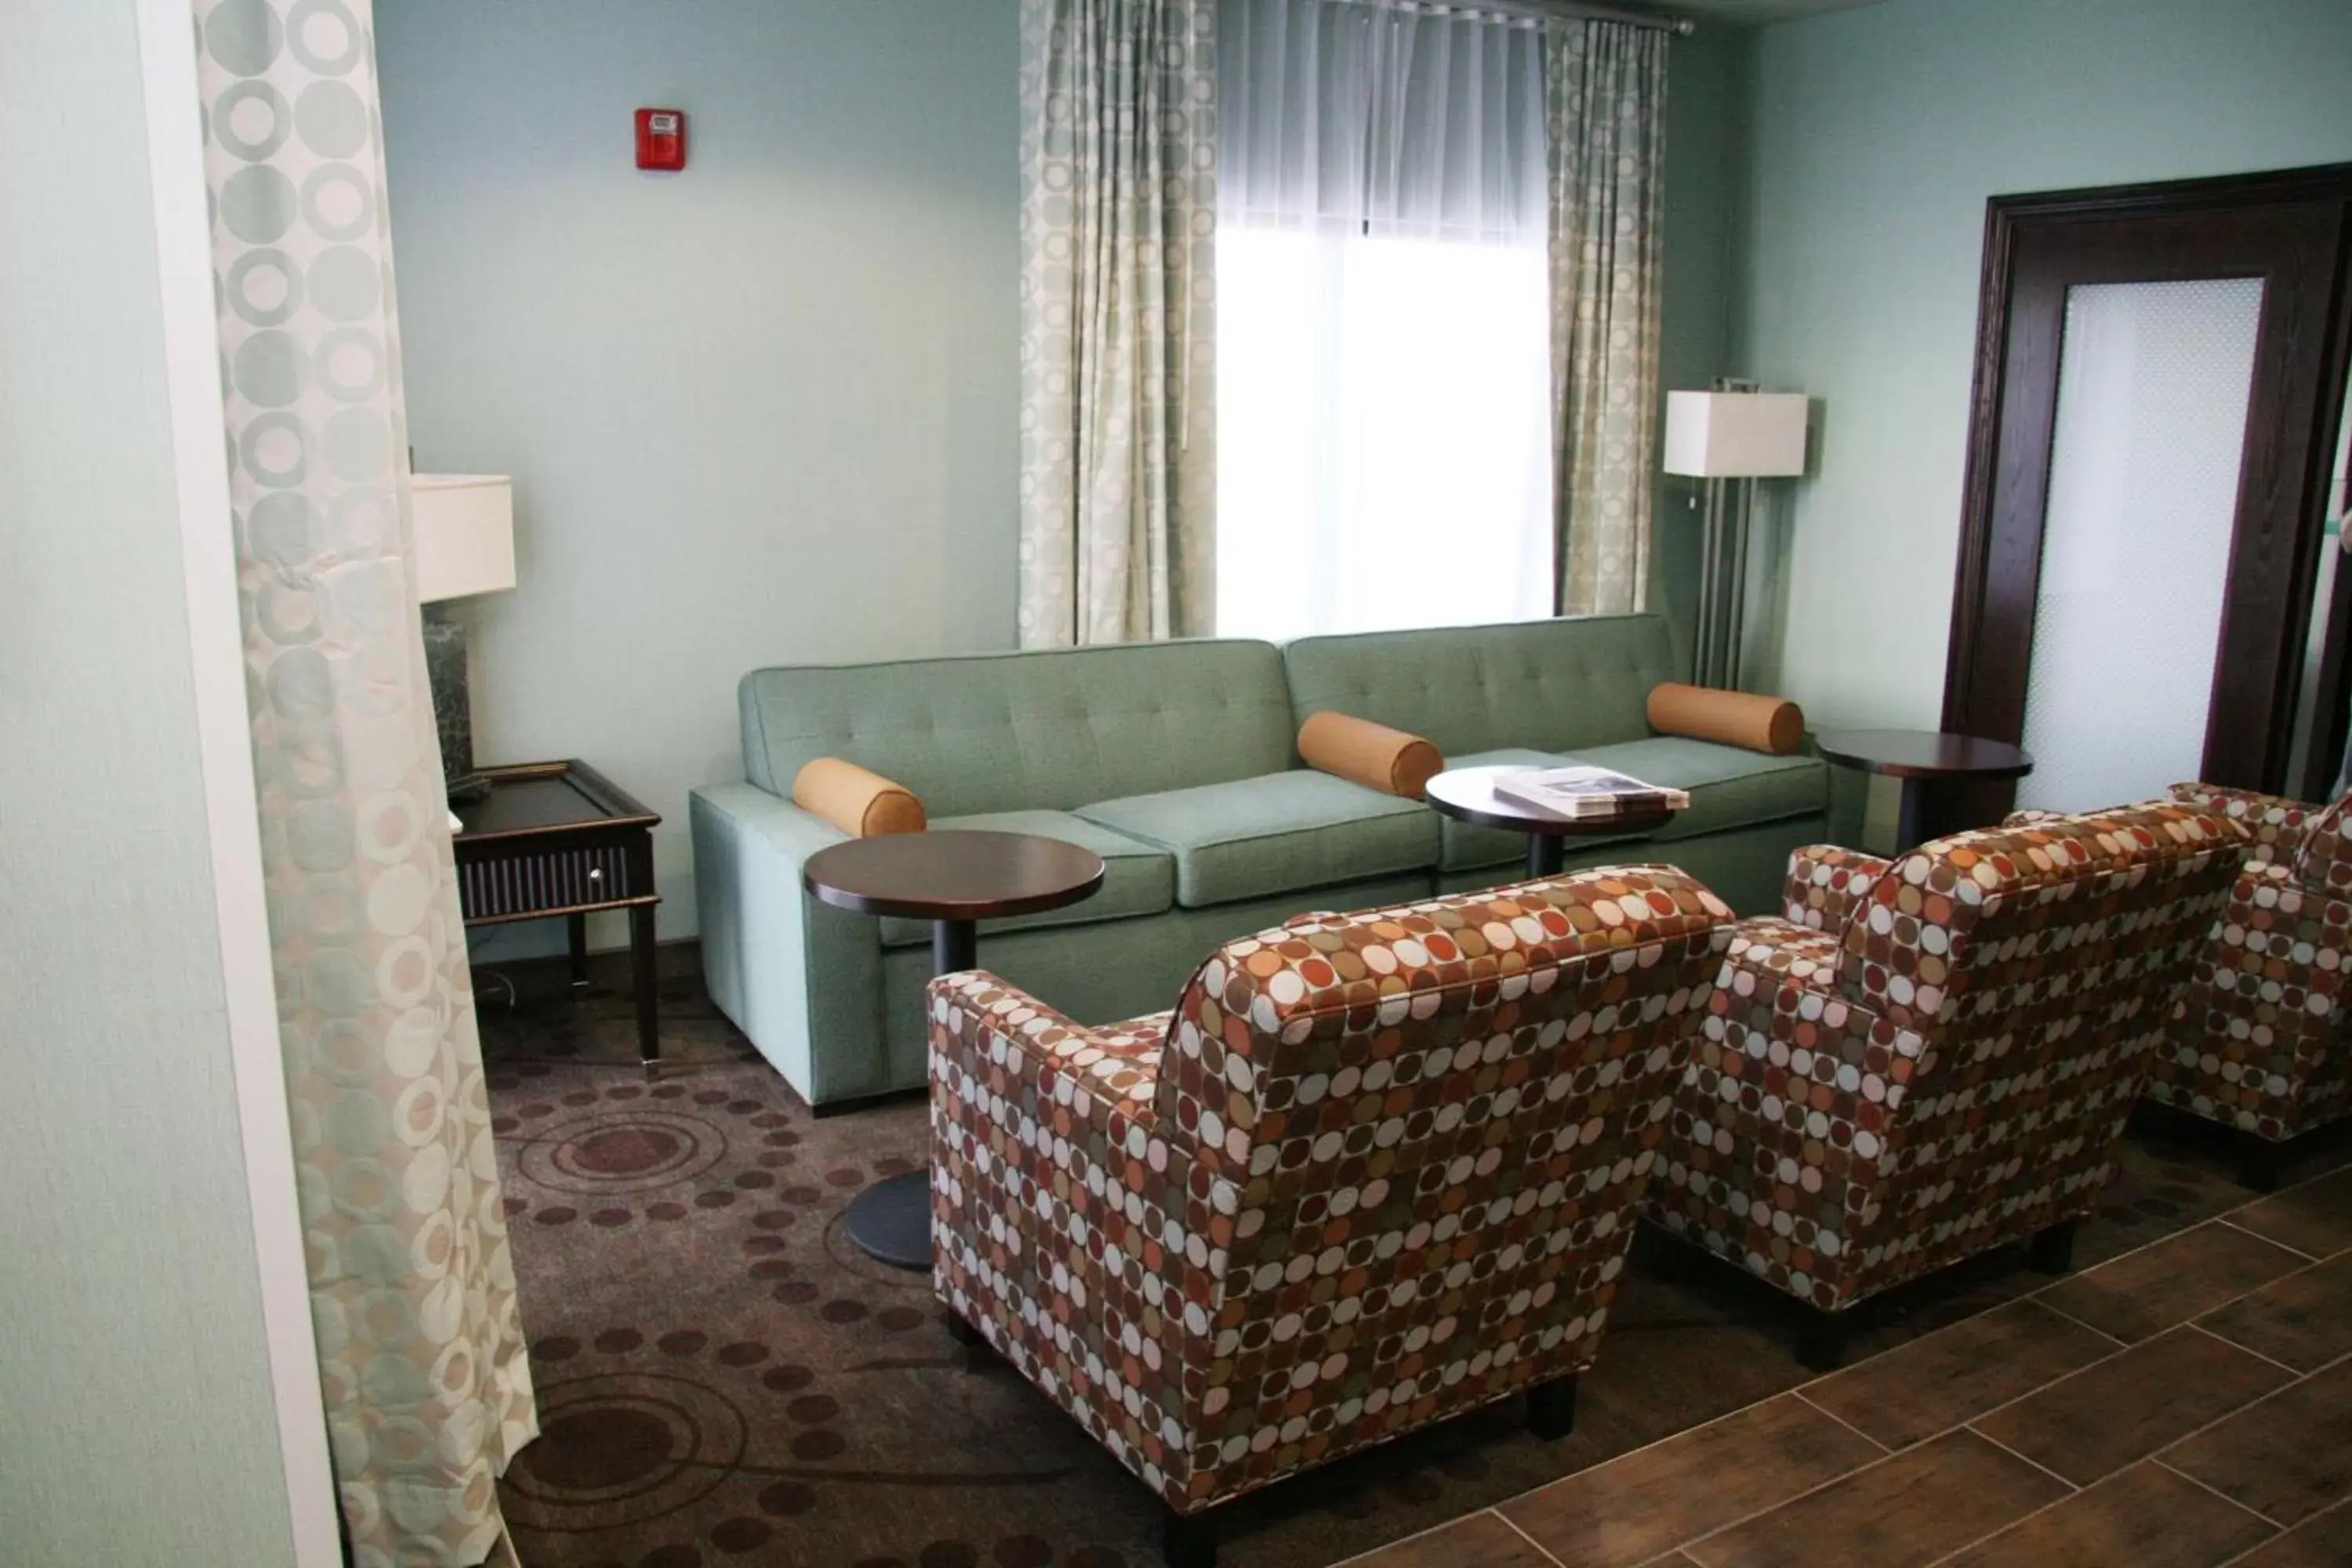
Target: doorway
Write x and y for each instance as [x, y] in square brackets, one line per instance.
[2159, 394]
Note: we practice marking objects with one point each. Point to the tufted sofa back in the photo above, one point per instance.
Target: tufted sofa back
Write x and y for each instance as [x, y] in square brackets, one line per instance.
[2045, 921]
[1048, 730]
[1553, 686]
[1422, 1134]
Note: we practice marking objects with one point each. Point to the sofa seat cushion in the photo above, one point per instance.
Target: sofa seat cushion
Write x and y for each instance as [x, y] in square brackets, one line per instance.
[1729, 787]
[1278, 833]
[1137, 879]
[1466, 846]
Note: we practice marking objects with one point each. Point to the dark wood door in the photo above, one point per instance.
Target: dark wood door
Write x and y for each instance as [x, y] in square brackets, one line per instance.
[2292, 231]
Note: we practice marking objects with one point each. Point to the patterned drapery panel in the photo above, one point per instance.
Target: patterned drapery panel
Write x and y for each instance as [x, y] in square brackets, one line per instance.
[412, 1287]
[1605, 83]
[1118, 279]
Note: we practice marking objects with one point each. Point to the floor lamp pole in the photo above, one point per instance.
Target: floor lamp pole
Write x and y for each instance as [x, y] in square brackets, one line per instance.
[1743, 515]
[1703, 654]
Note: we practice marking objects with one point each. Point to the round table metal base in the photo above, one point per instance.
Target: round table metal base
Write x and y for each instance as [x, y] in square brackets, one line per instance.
[891, 1220]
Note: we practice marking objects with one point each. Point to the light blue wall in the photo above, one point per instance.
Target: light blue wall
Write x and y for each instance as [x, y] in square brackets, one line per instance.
[1875, 137]
[760, 412]
[136, 1422]
[1705, 92]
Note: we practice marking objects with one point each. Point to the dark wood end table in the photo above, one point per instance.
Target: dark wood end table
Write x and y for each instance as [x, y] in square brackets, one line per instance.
[560, 839]
[953, 880]
[1468, 794]
[1923, 759]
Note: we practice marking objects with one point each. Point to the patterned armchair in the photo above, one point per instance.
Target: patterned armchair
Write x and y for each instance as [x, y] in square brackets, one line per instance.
[1374, 1171]
[1929, 1059]
[2258, 1039]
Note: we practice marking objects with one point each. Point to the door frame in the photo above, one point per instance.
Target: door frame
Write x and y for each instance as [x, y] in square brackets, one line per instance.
[2302, 358]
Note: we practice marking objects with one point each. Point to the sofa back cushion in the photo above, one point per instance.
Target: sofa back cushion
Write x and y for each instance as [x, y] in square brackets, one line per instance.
[1553, 686]
[1446, 1113]
[1042, 731]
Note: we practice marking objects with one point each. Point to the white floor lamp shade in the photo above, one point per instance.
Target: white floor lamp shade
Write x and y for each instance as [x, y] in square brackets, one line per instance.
[1730, 437]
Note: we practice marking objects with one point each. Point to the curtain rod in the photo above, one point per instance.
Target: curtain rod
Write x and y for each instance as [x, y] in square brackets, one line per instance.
[1588, 10]
[1681, 26]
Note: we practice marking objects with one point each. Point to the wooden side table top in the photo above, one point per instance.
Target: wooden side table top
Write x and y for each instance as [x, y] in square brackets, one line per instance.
[953, 874]
[1923, 754]
[530, 798]
[1468, 794]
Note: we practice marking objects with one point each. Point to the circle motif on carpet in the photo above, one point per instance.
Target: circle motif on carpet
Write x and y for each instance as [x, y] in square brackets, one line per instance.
[614, 1154]
[621, 1448]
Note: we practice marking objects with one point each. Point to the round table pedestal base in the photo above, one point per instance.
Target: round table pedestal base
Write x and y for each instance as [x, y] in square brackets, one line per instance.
[891, 1220]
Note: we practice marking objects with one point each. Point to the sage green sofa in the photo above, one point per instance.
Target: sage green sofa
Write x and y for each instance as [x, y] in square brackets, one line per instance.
[1177, 763]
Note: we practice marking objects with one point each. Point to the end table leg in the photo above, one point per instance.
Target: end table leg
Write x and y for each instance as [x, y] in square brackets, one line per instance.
[641, 964]
[955, 946]
[576, 929]
[1906, 817]
[1546, 855]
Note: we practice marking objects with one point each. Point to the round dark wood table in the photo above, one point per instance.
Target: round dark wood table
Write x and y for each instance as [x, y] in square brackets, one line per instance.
[1467, 795]
[1921, 760]
[953, 880]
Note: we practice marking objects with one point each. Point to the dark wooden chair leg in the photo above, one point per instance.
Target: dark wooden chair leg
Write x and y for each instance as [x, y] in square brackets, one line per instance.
[1822, 1341]
[1551, 1409]
[978, 1354]
[2051, 1250]
[1188, 1539]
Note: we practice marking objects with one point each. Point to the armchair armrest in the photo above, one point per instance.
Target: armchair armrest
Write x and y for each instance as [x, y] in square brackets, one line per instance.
[1826, 884]
[998, 1037]
[1063, 1227]
[2276, 826]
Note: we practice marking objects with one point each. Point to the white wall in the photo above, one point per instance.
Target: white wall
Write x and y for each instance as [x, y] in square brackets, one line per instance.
[762, 411]
[140, 1421]
[1876, 137]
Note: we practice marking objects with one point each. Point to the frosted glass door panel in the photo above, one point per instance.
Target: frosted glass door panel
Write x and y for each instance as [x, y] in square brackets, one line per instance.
[2152, 389]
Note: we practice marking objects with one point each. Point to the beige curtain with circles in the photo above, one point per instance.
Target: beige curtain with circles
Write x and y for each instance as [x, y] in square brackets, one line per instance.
[1605, 86]
[1119, 103]
[412, 1287]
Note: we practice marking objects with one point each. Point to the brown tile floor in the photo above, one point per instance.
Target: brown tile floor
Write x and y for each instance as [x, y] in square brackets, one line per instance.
[2185, 1405]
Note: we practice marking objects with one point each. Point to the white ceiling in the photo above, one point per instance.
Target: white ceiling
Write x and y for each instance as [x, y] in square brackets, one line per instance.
[1751, 13]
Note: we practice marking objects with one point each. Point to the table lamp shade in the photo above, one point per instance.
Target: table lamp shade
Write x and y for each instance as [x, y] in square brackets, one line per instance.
[1736, 435]
[464, 529]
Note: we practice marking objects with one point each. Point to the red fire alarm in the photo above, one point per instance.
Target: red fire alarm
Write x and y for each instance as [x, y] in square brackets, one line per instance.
[661, 138]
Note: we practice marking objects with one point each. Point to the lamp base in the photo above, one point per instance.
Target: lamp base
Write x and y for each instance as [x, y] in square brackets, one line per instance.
[453, 712]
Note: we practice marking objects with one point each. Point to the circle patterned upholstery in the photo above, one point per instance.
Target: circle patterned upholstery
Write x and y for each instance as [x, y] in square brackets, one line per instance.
[1373, 1171]
[1934, 1057]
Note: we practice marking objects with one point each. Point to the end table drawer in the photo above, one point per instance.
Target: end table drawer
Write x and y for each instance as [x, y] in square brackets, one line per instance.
[544, 880]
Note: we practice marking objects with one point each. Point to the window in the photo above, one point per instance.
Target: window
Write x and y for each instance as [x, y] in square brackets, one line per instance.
[1384, 447]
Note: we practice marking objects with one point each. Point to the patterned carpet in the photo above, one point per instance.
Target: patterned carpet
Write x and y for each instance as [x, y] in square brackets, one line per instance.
[724, 1380]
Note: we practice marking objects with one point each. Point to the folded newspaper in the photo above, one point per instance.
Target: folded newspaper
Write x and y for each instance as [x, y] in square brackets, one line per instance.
[1587, 792]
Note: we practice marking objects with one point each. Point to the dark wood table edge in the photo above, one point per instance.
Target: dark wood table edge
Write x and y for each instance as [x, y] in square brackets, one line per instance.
[623, 811]
[1863, 761]
[1911, 803]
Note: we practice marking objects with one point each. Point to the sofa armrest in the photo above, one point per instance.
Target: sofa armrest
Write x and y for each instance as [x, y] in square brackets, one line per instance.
[1826, 884]
[801, 978]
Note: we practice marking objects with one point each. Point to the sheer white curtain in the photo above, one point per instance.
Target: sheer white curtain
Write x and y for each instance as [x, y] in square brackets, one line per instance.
[1384, 449]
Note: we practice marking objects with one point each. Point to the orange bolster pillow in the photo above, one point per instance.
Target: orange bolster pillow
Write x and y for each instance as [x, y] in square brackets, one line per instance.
[1771, 724]
[861, 803]
[1370, 754]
